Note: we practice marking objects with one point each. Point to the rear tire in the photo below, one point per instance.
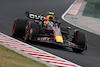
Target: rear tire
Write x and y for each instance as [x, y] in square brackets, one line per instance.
[80, 40]
[19, 27]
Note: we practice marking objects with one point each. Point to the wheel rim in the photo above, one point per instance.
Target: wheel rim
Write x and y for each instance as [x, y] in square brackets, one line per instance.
[27, 32]
[14, 27]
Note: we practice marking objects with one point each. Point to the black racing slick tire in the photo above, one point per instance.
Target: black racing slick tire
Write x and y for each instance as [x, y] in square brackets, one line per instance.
[80, 40]
[19, 27]
[32, 30]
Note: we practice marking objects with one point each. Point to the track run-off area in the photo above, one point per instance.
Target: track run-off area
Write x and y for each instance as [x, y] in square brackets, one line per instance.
[9, 10]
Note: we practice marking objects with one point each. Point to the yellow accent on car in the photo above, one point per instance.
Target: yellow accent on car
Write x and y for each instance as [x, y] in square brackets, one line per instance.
[51, 13]
[46, 38]
[36, 21]
[59, 39]
[69, 27]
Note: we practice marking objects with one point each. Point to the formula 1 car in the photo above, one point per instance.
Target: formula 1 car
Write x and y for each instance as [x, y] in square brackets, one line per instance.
[47, 29]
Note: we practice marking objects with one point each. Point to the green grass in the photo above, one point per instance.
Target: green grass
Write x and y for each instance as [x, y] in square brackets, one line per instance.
[89, 2]
[9, 58]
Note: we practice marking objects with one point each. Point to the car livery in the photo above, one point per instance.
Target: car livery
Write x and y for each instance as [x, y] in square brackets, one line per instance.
[47, 29]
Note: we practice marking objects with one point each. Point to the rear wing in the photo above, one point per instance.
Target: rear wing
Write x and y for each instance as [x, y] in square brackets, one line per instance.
[34, 16]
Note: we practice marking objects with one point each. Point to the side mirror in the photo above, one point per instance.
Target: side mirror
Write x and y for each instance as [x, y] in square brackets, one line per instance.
[56, 18]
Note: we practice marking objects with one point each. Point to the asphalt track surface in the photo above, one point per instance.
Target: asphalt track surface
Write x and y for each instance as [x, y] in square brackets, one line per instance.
[10, 9]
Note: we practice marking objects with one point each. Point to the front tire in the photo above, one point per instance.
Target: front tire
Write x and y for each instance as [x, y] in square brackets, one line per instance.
[80, 40]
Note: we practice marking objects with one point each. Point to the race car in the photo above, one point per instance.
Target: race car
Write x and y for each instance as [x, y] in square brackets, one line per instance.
[47, 29]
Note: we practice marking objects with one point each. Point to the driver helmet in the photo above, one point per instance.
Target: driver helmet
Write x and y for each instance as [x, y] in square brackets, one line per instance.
[50, 16]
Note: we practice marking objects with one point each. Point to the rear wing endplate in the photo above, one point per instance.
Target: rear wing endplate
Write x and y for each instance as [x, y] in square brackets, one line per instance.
[34, 16]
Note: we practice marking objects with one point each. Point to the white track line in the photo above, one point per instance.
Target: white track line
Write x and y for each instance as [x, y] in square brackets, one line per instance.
[67, 11]
[63, 17]
[64, 14]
